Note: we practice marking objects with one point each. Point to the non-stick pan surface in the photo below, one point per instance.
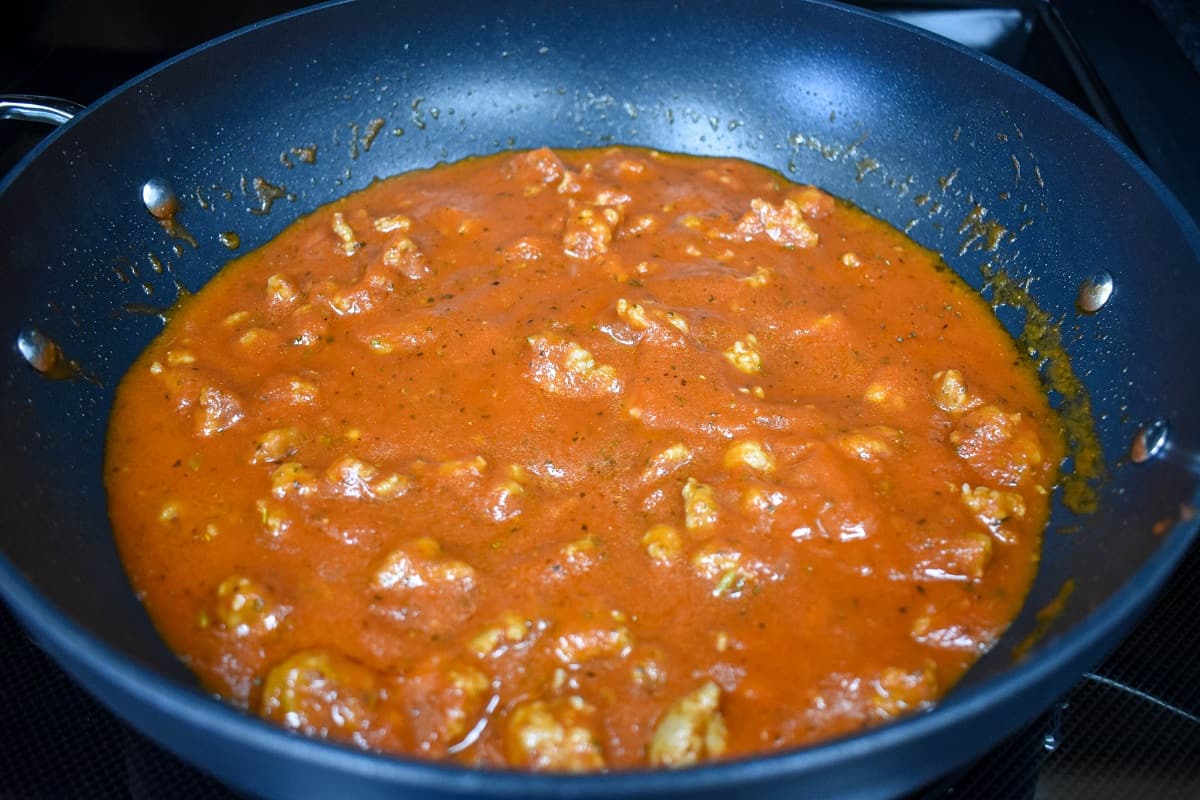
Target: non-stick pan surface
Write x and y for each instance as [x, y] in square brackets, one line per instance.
[974, 160]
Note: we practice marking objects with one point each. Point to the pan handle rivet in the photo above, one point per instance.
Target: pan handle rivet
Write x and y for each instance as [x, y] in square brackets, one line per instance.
[1150, 441]
[38, 349]
[160, 198]
[1094, 292]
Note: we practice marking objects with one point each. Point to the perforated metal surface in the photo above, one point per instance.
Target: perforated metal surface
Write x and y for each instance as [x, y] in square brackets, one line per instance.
[1131, 729]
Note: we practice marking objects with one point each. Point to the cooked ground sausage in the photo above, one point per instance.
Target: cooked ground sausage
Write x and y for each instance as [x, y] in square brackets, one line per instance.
[582, 460]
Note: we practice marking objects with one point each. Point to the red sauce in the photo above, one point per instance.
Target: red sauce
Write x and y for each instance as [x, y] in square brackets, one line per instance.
[582, 460]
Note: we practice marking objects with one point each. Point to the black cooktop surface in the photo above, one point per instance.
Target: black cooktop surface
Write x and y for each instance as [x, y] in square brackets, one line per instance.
[1129, 729]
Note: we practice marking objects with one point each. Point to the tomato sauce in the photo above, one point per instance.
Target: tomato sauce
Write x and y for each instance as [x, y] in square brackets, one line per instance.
[582, 460]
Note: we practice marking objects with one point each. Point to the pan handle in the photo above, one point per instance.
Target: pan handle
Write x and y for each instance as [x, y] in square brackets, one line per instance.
[32, 108]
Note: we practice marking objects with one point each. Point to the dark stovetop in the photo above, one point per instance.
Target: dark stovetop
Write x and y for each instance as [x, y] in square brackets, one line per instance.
[1129, 729]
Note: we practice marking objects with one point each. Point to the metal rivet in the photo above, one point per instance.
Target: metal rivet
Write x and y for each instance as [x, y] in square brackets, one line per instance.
[160, 198]
[1150, 441]
[1094, 292]
[36, 348]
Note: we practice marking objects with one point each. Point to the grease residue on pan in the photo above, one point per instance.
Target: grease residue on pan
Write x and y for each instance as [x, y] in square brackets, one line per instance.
[1042, 337]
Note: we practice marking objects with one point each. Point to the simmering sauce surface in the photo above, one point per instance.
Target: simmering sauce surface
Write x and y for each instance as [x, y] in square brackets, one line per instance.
[582, 460]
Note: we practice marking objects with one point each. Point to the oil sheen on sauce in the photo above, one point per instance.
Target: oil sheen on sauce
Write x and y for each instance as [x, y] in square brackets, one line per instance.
[582, 460]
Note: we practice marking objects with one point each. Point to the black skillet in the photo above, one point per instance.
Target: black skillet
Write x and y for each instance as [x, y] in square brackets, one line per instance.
[914, 129]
